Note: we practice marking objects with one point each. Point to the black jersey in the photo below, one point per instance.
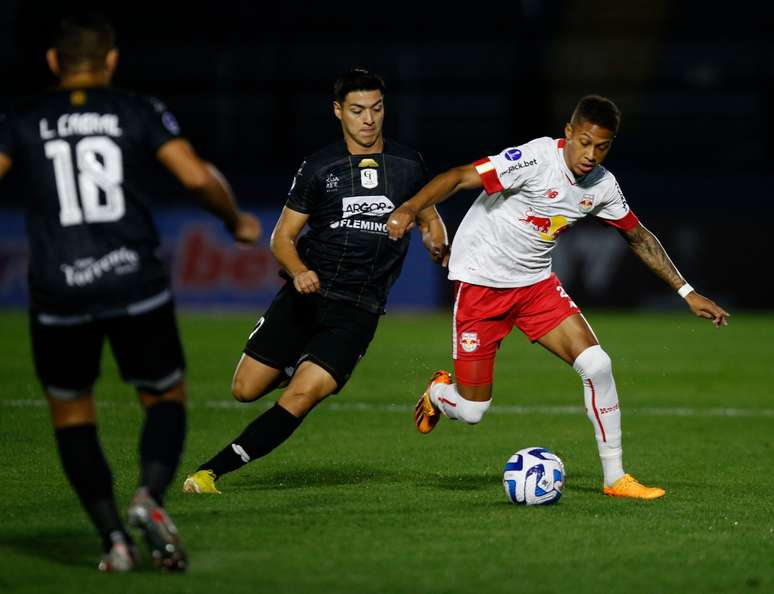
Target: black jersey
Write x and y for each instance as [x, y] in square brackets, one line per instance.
[83, 157]
[348, 199]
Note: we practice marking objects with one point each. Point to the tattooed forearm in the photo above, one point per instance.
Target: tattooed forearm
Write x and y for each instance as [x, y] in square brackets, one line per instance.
[649, 249]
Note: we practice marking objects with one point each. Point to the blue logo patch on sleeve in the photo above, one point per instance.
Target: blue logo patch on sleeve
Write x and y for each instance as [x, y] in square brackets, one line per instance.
[512, 154]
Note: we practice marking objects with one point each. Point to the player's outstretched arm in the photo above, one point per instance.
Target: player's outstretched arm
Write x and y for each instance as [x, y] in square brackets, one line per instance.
[649, 249]
[283, 246]
[434, 235]
[212, 189]
[436, 190]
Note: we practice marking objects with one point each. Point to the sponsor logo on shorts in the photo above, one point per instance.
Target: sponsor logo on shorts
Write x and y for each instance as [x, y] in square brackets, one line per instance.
[512, 154]
[469, 341]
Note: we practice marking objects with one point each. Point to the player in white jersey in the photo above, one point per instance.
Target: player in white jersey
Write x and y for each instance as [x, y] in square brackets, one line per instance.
[501, 265]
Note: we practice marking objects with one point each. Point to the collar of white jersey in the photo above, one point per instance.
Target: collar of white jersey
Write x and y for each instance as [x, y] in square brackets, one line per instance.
[562, 163]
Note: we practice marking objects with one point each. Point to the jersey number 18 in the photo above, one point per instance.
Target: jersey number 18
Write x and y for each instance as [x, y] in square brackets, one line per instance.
[100, 167]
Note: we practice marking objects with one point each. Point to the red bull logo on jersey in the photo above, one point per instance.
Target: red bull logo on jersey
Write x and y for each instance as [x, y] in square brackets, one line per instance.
[586, 203]
[549, 227]
[469, 341]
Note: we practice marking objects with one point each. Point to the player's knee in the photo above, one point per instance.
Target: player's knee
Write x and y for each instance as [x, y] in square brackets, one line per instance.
[593, 362]
[299, 401]
[176, 393]
[472, 411]
[241, 391]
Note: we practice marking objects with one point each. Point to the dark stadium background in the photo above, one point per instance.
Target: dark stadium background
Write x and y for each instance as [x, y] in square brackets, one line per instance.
[251, 86]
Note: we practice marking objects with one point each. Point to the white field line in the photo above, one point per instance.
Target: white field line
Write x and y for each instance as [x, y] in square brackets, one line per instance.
[503, 409]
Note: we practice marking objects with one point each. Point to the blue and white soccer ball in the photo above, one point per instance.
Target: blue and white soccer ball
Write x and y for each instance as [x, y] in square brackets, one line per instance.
[533, 476]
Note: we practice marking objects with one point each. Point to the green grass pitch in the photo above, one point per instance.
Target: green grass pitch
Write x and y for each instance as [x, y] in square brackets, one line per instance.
[358, 502]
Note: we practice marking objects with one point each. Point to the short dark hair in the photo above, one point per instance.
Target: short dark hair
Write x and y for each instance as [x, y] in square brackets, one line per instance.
[597, 110]
[357, 79]
[83, 40]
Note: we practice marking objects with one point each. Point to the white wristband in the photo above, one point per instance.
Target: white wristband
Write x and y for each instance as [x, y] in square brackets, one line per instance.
[684, 290]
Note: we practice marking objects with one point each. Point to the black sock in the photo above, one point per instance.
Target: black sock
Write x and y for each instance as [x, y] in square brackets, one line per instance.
[88, 472]
[258, 439]
[160, 446]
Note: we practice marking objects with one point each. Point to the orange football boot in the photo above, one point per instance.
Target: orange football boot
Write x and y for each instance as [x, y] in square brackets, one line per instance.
[426, 414]
[628, 486]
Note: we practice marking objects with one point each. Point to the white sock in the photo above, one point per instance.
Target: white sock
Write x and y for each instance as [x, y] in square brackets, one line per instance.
[453, 405]
[602, 409]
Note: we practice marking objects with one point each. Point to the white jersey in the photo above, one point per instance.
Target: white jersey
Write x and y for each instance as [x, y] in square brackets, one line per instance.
[530, 197]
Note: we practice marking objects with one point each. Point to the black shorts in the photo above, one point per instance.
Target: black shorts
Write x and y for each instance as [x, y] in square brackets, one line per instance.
[146, 348]
[298, 328]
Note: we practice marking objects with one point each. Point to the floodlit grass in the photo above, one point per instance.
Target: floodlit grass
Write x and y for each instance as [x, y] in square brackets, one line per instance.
[357, 501]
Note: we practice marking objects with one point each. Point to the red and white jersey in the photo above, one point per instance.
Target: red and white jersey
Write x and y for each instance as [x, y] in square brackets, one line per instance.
[530, 197]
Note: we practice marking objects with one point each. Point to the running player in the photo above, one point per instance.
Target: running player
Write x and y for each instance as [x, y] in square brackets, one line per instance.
[501, 265]
[339, 274]
[83, 151]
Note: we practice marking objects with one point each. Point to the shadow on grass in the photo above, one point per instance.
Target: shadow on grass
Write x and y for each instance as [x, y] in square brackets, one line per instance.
[304, 477]
[72, 548]
[79, 549]
[300, 477]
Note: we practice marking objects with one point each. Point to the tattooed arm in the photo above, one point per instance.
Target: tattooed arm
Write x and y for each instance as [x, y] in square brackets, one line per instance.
[649, 249]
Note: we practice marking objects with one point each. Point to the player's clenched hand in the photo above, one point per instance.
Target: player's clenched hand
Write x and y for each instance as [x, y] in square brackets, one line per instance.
[401, 220]
[706, 308]
[438, 249]
[247, 229]
[306, 282]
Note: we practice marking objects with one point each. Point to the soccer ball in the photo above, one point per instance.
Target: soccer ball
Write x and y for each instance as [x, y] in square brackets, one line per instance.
[533, 476]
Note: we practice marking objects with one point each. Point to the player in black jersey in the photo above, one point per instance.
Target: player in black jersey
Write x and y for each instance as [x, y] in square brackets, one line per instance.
[339, 273]
[82, 151]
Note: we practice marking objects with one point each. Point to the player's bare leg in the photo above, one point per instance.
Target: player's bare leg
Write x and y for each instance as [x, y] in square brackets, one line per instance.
[87, 470]
[161, 445]
[310, 385]
[253, 379]
[574, 342]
